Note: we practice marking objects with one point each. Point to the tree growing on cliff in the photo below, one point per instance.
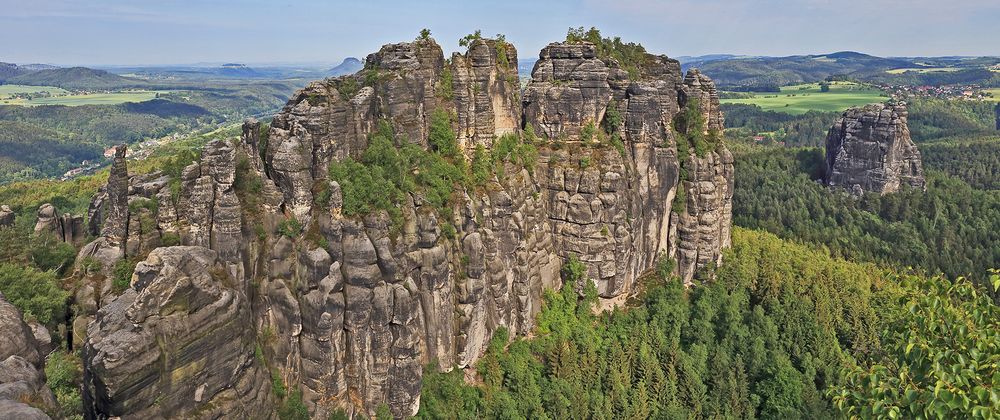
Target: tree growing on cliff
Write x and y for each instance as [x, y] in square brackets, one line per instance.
[632, 57]
[425, 34]
[468, 39]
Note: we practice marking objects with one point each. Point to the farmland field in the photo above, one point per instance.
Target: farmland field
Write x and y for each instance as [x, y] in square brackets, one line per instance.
[996, 94]
[57, 96]
[800, 99]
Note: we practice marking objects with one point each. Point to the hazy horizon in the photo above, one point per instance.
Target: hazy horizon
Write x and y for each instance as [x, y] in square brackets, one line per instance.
[311, 32]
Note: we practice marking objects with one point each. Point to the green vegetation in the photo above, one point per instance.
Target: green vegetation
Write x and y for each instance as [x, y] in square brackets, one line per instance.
[952, 228]
[934, 118]
[767, 338]
[519, 151]
[808, 129]
[972, 159]
[388, 171]
[64, 376]
[632, 57]
[122, 274]
[293, 408]
[38, 294]
[47, 141]
[467, 40]
[690, 132]
[799, 99]
[290, 227]
[942, 358]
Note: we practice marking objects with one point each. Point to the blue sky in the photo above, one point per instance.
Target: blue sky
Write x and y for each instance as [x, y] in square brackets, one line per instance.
[103, 32]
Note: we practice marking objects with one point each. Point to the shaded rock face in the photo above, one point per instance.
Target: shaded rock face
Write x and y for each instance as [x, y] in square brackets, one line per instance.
[175, 344]
[869, 150]
[7, 216]
[348, 309]
[21, 363]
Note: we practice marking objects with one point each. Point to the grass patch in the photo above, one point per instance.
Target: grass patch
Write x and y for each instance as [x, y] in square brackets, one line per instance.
[48, 95]
[799, 99]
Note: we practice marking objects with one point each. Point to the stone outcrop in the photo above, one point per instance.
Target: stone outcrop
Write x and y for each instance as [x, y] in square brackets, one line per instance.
[349, 309]
[64, 227]
[176, 344]
[869, 150]
[115, 225]
[7, 216]
[21, 361]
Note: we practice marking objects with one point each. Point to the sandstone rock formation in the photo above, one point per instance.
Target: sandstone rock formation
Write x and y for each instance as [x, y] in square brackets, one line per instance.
[65, 227]
[7, 216]
[176, 344]
[349, 309]
[21, 363]
[869, 150]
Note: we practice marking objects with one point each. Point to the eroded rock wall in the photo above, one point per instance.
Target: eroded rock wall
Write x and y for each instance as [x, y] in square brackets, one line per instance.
[176, 344]
[869, 150]
[350, 309]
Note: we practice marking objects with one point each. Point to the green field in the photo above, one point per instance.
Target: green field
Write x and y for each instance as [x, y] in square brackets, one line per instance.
[64, 97]
[800, 99]
[996, 94]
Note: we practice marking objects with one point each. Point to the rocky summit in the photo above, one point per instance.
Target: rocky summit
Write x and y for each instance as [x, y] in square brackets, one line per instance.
[253, 276]
[869, 150]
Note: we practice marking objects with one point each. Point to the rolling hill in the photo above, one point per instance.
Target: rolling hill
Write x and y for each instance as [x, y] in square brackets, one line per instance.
[79, 78]
[771, 72]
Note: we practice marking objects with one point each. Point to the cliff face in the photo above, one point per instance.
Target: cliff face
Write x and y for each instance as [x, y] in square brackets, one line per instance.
[869, 149]
[349, 309]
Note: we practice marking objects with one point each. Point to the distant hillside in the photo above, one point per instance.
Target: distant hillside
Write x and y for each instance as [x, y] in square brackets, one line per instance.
[684, 59]
[238, 70]
[764, 72]
[350, 65]
[75, 78]
[37, 66]
[8, 70]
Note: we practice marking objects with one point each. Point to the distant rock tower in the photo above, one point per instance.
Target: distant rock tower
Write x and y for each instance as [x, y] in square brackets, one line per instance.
[869, 150]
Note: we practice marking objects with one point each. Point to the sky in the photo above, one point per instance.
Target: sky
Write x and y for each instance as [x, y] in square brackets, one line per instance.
[148, 32]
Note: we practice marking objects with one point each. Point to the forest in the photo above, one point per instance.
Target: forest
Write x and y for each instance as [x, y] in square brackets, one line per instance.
[784, 331]
[952, 228]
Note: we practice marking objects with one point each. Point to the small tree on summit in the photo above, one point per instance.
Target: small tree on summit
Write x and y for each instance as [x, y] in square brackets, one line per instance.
[425, 34]
[466, 40]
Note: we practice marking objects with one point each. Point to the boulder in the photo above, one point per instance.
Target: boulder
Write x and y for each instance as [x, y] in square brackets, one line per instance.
[7, 216]
[21, 362]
